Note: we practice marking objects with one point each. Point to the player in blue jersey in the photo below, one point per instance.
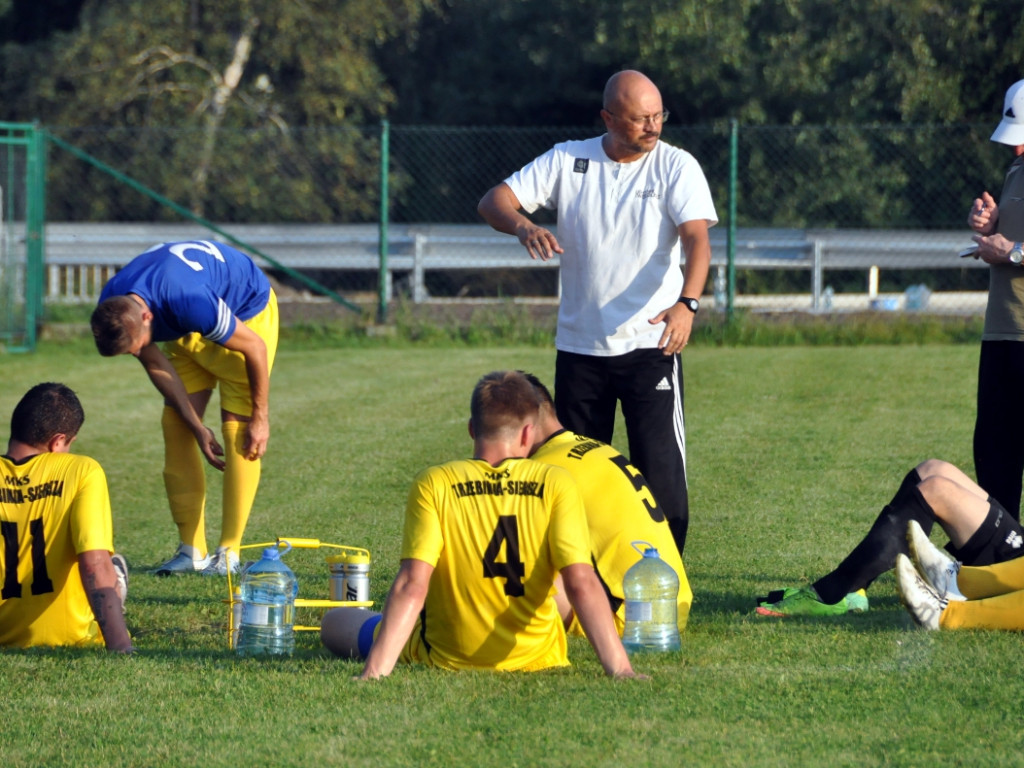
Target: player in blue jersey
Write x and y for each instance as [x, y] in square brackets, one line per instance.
[216, 316]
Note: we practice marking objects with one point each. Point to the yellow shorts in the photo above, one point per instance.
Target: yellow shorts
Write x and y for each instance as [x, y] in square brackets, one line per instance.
[202, 363]
[417, 650]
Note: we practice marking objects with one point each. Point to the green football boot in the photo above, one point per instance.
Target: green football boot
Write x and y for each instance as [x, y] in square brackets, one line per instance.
[804, 601]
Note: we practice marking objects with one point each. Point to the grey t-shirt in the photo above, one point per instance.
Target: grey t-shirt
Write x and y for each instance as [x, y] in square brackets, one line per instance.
[1004, 316]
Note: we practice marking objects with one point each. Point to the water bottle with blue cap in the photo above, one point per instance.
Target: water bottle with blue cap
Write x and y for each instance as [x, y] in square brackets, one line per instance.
[651, 589]
[268, 592]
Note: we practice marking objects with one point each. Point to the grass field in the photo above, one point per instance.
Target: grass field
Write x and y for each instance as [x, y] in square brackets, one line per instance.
[792, 452]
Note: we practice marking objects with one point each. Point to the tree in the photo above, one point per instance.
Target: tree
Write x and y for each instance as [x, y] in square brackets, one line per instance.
[241, 82]
[765, 62]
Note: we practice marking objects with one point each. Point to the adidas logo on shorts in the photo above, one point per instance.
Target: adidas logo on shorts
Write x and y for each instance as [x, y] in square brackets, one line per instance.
[663, 384]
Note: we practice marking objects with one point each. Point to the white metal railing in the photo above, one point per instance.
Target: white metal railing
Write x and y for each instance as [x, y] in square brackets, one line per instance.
[80, 257]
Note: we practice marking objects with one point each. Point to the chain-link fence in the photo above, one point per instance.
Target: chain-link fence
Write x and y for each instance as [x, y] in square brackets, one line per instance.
[826, 218]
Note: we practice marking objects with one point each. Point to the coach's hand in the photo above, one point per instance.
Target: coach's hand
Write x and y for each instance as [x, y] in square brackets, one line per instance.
[678, 321]
[537, 241]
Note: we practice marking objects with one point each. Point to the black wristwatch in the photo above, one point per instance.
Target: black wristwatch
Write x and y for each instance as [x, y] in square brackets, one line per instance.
[691, 304]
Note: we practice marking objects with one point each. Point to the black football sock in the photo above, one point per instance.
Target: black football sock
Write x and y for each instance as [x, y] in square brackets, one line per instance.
[876, 553]
[909, 484]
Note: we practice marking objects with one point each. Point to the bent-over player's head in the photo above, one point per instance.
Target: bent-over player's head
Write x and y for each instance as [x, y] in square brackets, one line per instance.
[117, 325]
[45, 411]
[502, 402]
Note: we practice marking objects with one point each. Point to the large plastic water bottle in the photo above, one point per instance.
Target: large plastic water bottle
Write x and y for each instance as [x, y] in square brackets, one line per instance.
[268, 593]
[651, 589]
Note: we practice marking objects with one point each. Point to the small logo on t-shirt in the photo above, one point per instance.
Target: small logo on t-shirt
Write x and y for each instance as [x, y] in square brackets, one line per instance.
[580, 165]
[645, 194]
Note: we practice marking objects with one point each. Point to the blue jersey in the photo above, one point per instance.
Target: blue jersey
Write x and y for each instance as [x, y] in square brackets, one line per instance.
[196, 286]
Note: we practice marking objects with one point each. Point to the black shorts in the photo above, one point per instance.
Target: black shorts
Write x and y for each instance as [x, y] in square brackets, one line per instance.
[1000, 538]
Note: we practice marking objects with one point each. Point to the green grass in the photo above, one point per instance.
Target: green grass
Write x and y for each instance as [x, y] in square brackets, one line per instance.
[792, 452]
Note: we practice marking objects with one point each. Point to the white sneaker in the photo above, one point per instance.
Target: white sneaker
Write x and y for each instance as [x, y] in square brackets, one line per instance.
[917, 595]
[185, 560]
[121, 571]
[220, 561]
[937, 567]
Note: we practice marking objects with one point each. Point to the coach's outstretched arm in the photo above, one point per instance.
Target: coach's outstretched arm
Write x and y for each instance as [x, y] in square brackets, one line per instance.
[500, 208]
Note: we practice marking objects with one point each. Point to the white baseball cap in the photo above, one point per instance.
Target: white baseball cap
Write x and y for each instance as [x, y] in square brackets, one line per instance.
[1011, 129]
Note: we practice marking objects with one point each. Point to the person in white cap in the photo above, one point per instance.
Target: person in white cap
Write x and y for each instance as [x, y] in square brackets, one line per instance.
[999, 228]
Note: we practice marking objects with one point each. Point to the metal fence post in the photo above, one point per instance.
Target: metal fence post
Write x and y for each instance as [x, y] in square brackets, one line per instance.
[23, 192]
[35, 215]
[817, 276]
[419, 285]
[730, 247]
[382, 304]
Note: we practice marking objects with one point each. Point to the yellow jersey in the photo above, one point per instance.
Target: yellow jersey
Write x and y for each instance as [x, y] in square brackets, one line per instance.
[496, 537]
[620, 509]
[53, 506]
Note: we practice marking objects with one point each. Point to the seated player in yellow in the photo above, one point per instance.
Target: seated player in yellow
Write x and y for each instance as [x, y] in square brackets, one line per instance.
[482, 542]
[61, 585]
[620, 508]
[942, 593]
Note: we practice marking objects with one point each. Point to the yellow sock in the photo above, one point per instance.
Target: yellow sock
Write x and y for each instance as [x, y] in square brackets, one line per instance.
[989, 580]
[999, 612]
[184, 480]
[241, 479]
[995, 597]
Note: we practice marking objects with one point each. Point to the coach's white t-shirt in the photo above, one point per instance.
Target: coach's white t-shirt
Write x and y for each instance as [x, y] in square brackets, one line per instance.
[618, 225]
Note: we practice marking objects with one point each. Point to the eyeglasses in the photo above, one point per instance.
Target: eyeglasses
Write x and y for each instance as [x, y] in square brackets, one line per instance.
[657, 118]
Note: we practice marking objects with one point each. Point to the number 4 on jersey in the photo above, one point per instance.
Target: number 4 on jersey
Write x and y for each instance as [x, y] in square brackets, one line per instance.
[512, 569]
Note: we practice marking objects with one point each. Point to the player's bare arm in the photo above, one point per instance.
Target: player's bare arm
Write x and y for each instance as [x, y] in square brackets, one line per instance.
[100, 582]
[253, 348]
[679, 318]
[404, 603]
[590, 603]
[168, 384]
[500, 208]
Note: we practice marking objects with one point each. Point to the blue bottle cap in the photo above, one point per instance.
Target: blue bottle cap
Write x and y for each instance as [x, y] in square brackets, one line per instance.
[651, 552]
[271, 553]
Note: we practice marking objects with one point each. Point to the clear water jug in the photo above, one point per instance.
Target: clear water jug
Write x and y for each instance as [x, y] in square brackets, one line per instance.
[651, 589]
[268, 591]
